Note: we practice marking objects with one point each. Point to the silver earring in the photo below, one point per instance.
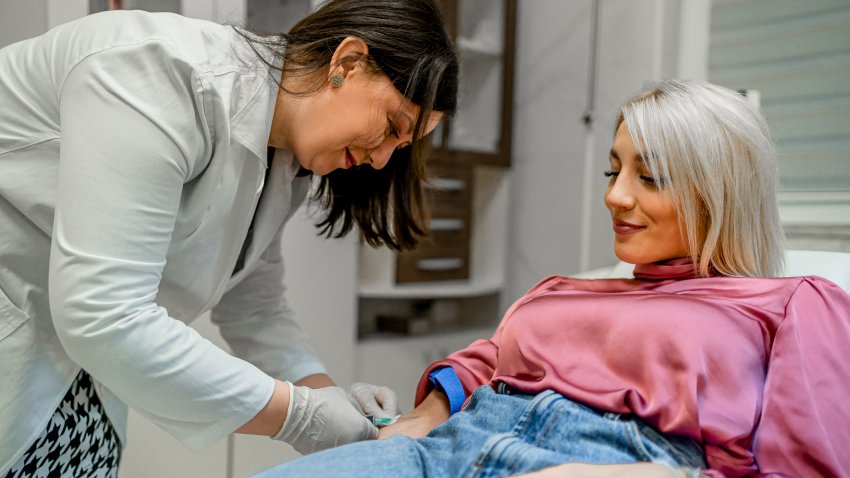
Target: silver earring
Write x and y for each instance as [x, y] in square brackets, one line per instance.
[336, 81]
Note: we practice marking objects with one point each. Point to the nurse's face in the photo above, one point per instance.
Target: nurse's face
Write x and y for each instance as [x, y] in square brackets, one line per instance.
[361, 121]
[645, 221]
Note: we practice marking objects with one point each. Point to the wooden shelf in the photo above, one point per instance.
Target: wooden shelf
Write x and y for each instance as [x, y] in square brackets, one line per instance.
[472, 332]
[429, 290]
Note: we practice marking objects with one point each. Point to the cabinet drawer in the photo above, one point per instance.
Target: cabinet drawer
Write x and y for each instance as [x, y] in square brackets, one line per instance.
[444, 255]
[449, 190]
[430, 263]
[447, 230]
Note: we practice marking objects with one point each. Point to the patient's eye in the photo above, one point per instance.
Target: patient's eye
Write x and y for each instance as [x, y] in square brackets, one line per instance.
[648, 180]
[611, 174]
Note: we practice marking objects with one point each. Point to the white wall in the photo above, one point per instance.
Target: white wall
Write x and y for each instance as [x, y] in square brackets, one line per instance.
[638, 41]
[548, 140]
[21, 19]
[321, 279]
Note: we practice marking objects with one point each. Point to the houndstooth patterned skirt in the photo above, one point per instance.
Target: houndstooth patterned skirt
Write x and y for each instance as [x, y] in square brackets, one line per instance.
[79, 441]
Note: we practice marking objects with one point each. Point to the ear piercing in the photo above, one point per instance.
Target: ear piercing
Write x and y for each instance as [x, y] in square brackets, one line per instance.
[336, 81]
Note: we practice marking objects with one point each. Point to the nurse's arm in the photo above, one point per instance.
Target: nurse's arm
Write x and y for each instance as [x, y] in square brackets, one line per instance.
[270, 419]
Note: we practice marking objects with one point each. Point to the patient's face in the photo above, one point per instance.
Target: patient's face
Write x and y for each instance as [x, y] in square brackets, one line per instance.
[646, 224]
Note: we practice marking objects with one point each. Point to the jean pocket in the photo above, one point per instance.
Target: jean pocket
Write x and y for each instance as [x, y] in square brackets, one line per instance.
[655, 446]
[10, 316]
[474, 397]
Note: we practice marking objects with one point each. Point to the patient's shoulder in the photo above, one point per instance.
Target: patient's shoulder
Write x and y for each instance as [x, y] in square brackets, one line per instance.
[816, 289]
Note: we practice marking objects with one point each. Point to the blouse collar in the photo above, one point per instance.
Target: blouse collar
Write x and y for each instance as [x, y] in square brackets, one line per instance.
[671, 269]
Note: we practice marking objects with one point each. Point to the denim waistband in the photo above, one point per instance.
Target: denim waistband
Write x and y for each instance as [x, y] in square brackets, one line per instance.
[687, 450]
[505, 389]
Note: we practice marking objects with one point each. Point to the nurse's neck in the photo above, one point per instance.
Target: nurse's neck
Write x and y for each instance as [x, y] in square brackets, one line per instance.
[280, 131]
[270, 152]
[288, 108]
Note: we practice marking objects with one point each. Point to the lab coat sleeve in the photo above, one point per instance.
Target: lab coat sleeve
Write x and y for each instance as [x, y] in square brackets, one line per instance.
[132, 133]
[258, 324]
[803, 428]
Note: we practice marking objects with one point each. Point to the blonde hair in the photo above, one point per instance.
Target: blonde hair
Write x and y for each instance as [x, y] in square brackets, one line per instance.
[712, 152]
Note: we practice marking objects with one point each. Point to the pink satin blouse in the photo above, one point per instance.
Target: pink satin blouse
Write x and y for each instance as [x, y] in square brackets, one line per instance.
[755, 369]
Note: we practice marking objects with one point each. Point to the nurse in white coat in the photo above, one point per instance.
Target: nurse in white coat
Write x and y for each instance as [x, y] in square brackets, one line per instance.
[148, 163]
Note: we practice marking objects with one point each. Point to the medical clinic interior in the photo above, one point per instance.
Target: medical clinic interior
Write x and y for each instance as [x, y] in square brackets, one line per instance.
[520, 187]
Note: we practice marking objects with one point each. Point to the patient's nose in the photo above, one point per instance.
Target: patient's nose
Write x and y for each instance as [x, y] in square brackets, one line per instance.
[618, 194]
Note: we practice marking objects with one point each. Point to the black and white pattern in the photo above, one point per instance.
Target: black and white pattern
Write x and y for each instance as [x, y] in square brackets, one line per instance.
[78, 442]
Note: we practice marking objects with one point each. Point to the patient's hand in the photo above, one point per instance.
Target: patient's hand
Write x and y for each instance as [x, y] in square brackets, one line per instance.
[433, 411]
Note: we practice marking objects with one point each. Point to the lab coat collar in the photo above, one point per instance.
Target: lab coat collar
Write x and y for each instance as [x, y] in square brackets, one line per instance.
[251, 124]
[280, 189]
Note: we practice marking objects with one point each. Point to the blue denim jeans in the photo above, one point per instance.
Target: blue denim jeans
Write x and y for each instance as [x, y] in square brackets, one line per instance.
[500, 433]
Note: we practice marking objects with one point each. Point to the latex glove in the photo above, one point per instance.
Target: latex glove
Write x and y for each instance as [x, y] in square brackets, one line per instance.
[322, 418]
[373, 400]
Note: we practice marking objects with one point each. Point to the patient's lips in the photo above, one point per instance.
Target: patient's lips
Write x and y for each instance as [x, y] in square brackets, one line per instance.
[624, 227]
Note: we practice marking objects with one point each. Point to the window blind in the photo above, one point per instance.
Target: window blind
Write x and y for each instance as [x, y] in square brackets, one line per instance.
[797, 55]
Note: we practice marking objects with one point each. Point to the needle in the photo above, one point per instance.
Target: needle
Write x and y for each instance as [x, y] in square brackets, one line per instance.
[381, 422]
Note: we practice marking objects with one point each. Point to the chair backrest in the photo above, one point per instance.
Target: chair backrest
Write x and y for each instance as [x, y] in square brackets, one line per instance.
[834, 266]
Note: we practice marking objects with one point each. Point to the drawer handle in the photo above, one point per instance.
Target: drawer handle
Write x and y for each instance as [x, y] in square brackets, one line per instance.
[446, 224]
[446, 184]
[439, 264]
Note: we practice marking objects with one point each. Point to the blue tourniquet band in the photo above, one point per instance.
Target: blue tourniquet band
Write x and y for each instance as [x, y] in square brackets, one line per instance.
[445, 379]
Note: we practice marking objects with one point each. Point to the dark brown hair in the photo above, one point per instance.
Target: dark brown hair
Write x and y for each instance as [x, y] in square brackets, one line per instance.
[408, 42]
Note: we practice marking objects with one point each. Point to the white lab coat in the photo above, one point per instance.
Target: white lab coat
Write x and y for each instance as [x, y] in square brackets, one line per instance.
[132, 160]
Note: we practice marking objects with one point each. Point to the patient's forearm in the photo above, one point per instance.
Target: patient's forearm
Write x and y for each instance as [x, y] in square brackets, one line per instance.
[433, 411]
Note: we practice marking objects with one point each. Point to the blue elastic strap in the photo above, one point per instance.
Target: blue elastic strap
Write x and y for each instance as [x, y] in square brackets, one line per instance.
[445, 379]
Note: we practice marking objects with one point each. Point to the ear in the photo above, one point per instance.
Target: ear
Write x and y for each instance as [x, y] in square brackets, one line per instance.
[346, 57]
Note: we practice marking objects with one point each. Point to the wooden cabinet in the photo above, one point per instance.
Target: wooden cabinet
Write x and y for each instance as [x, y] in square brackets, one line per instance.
[484, 33]
[445, 255]
[478, 135]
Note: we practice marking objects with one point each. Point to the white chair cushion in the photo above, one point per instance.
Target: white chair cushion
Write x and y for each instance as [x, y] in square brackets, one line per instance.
[834, 266]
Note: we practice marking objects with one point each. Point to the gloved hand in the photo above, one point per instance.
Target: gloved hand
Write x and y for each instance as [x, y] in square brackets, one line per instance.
[373, 400]
[322, 418]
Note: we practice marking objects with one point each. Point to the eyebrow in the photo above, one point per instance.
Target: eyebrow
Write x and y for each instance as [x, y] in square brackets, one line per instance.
[616, 156]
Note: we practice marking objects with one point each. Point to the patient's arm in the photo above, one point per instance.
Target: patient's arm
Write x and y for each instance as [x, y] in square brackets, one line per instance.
[433, 411]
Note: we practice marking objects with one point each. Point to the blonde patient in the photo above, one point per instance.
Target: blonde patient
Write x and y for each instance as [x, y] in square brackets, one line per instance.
[708, 362]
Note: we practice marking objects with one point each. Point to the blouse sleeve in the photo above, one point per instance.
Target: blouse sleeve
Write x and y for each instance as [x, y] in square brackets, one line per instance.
[804, 429]
[476, 364]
